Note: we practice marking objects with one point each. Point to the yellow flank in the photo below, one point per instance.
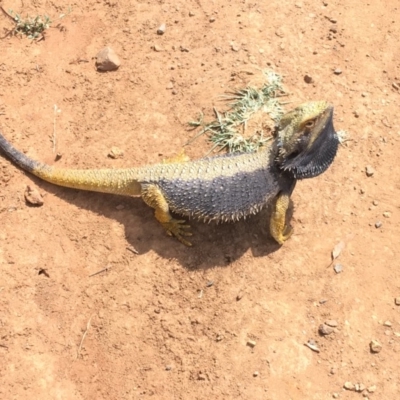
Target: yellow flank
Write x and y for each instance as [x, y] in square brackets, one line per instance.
[278, 228]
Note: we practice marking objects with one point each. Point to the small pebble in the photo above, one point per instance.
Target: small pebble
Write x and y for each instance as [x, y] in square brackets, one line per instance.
[395, 85]
[378, 224]
[371, 389]
[325, 329]
[251, 343]
[235, 47]
[209, 283]
[115, 153]
[375, 346]
[375, 203]
[369, 170]
[168, 367]
[32, 196]
[308, 79]
[157, 48]
[239, 296]
[337, 71]
[349, 386]
[312, 345]
[387, 323]
[331, 322]
[360, 387]
[161, 29]
[107, 60]
[212, 19]
[256, 373]
[386, 214]
[397, 301]
[201, 377]
[191, 14]
[335, 395]
[338, 268]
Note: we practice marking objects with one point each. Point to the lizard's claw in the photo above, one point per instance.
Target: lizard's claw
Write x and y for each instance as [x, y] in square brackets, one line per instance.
[178, 228]
[281, 237]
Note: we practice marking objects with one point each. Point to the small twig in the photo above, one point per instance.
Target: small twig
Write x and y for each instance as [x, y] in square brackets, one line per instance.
[7, 14]
[78, 60]
[99, 272]
[132, 249]
[83, 337]
[10, 32]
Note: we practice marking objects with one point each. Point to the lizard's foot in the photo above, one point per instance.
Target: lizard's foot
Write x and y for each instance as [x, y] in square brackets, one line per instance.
[282, 237]
[178, 228]
[153, 196]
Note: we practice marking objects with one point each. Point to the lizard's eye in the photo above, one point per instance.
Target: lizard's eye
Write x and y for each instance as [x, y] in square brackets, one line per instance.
[310, 124]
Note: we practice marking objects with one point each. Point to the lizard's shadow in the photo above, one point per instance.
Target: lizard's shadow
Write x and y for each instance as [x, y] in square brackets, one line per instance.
[214, 245]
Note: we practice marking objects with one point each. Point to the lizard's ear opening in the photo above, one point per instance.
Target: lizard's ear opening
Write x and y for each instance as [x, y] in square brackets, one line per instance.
[313, 161]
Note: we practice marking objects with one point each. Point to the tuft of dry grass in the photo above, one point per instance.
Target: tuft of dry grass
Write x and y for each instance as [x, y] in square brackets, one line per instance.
[250, 119]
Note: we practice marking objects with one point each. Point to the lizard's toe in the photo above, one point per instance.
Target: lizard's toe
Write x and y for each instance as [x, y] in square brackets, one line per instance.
[285, 235]
[179, 229]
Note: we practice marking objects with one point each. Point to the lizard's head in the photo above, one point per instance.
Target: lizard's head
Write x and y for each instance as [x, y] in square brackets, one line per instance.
[307, 141]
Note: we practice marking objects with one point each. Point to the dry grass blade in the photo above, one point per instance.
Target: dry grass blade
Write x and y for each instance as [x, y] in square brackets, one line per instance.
[83, 337]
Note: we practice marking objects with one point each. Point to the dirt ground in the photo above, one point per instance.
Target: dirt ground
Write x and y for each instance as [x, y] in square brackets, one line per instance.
[173, 322]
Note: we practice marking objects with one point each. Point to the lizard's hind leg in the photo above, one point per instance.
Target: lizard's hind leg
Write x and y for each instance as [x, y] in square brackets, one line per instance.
[154, 198]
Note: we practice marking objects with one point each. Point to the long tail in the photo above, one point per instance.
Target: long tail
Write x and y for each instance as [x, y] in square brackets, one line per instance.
[118, 181]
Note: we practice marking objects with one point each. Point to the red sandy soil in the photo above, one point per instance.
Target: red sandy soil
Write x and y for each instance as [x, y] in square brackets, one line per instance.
[152, 325]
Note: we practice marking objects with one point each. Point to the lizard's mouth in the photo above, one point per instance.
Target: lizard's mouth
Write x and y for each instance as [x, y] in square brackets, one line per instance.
[308, 163]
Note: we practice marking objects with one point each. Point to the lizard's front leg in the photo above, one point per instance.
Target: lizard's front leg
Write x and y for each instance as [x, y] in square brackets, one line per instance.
[153, 197]
[279, 229]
